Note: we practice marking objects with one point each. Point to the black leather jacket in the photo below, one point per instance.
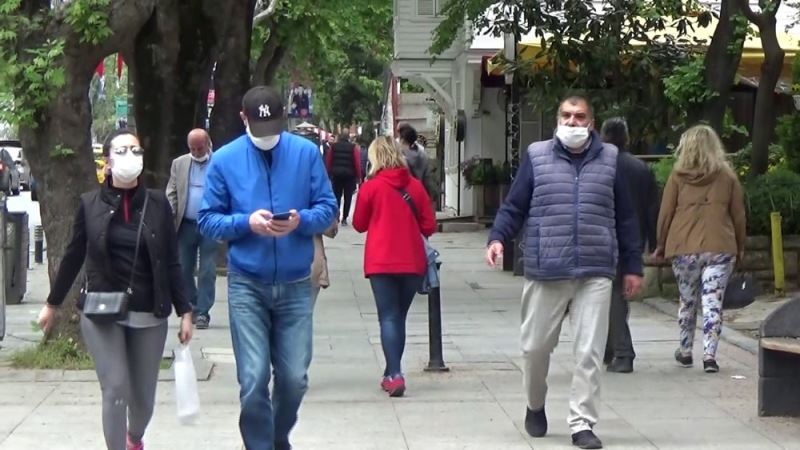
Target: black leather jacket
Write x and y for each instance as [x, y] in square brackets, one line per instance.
[89, 244]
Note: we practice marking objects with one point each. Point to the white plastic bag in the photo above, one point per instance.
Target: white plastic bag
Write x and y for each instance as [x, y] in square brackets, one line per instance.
[186, 397]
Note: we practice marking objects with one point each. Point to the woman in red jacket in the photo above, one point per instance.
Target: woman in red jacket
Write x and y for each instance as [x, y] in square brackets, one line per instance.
[394, 255]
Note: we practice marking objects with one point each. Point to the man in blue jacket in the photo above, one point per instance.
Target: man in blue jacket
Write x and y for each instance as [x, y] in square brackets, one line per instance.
[267, 194]
[570, 194]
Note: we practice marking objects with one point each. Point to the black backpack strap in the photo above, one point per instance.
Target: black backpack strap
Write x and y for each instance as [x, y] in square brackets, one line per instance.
[409, 201]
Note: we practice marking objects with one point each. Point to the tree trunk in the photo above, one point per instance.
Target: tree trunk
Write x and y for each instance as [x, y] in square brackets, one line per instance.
[232, 78]
[764, 111]
[170, 68]
[269, 62]
[721, 63]
[61, 177]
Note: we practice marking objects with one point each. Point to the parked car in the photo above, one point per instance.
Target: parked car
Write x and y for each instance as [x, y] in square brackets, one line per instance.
[14, 148]
[9, 176]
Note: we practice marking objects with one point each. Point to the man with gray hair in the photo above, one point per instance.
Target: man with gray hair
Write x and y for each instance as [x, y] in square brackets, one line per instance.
[570, 195]
[185, 193]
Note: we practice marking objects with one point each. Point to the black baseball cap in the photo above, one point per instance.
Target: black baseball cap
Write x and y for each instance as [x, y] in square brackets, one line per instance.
[263, 108]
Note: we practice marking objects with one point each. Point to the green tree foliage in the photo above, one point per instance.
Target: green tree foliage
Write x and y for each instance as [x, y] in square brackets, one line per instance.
[342, 47]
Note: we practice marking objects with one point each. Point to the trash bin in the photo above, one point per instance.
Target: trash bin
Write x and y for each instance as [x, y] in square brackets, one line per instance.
[16, 256]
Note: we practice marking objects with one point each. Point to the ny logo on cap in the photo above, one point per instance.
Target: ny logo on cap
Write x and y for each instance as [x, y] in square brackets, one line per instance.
[263, 111]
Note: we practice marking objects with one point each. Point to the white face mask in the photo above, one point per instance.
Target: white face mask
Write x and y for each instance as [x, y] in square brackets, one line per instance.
[201, 159]
[572, 137]
[126, 168]
[264, 143]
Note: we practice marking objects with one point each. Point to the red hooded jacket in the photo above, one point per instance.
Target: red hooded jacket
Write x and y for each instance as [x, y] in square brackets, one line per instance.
[394, 244]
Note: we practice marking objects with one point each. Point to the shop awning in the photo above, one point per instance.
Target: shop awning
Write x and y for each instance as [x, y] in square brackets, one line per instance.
[749, 67]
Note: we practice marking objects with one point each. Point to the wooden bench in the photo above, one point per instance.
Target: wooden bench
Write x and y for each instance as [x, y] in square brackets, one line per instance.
[779, 362]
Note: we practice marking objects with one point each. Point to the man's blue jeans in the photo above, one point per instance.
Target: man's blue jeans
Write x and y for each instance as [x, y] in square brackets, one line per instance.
[270, 323]
[393, 297]
[190, 243]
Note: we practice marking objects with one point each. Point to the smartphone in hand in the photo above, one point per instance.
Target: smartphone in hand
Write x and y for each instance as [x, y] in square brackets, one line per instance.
[281, 216]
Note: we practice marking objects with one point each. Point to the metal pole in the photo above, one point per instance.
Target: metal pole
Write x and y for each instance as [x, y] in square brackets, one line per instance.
[436, 357]
[38, 244]
[458, 185]
[777, 252]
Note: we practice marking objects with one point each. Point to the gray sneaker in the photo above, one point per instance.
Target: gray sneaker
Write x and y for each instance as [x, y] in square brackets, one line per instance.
[202, 322]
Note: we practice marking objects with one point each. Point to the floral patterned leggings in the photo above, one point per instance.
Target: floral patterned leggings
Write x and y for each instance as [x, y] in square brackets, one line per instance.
[702, 277]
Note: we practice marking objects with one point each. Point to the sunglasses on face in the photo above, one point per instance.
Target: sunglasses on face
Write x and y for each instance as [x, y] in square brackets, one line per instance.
[121, 150]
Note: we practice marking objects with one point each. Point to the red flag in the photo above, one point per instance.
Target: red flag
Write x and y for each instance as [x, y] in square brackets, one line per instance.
[119, 66]
[101, 68]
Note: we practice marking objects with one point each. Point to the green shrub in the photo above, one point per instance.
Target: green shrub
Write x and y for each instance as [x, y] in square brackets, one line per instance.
[662, 169]
[778, 190]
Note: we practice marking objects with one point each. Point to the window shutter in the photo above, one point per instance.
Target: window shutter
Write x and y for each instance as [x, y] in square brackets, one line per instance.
[426, 7]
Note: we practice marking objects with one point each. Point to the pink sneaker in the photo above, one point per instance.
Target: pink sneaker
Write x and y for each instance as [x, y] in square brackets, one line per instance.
[131, 446]
[395, 386]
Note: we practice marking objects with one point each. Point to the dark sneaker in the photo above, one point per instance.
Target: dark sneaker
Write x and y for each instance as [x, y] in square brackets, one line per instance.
[282, 446]
[621, 365]
[344, 223]
[202, 322]
[710, 366]
[683, 360]
[536, 422]
[586, 439]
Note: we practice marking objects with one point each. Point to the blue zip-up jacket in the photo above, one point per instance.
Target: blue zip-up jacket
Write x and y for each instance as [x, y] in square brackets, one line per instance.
[515, 211]
[240, 181]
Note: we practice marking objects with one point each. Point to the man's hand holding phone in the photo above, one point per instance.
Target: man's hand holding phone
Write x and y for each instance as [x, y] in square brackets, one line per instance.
[265, 223]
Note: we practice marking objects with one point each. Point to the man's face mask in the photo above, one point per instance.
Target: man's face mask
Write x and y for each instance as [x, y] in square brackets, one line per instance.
[263, 143]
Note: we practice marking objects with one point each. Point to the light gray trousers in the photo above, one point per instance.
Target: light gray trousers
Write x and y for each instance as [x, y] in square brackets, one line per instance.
[127, 361]
[545, 304]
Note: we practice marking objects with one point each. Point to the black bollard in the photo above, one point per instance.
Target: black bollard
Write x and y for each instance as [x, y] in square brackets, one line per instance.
[38, 244]
[436, 357]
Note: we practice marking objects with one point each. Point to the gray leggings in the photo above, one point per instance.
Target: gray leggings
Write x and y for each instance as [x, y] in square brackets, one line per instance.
[127, 362]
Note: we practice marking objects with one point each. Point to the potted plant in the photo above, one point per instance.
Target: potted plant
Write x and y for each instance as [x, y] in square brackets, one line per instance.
[481, 176]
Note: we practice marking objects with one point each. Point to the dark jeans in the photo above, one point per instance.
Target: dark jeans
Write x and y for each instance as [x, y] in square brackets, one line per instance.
[190, 244]
[619, 344]
[344, 186]
[393, 297]
[271, 325]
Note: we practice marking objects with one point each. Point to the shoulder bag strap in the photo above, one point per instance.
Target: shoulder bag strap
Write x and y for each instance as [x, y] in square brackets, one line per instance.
[410, 202]
[138, 241]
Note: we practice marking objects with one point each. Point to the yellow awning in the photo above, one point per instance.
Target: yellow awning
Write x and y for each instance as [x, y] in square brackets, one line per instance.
[749, 66]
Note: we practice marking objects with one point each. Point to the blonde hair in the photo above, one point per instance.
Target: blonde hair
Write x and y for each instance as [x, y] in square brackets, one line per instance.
[700, 149]
[384, 153]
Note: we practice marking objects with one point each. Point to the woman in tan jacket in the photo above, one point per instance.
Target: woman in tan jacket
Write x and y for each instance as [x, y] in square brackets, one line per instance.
[701, 227]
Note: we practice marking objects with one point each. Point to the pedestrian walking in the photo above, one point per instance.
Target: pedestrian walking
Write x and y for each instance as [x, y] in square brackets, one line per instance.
[394, 210]
[702, 228]
[570, 192]
[124, 237]
[344, 168]
[267, 195]
[185, 193]
[640, 182]
[320, 278]
[416, 158]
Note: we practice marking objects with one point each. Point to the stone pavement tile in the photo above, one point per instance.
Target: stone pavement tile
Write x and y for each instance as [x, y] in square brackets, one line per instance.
[12, 416]
[58, 427]
[704, 433]
[215, 428]
[457, 425]
[646, 410]
[348, 425]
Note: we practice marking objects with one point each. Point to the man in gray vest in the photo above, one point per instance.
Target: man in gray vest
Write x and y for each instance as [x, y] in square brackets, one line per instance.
[570, 195]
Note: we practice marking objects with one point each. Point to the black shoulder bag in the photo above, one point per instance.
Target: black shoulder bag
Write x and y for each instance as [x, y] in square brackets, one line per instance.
[107, 307]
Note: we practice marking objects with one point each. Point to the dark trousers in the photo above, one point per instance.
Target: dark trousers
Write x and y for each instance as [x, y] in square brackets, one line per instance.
[393, 297]
[619, 344]
[344, 186]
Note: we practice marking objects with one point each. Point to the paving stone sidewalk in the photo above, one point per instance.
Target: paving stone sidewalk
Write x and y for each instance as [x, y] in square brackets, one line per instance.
[479, 404]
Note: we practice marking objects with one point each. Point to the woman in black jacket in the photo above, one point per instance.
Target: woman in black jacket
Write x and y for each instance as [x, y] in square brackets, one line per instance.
[127, 353]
